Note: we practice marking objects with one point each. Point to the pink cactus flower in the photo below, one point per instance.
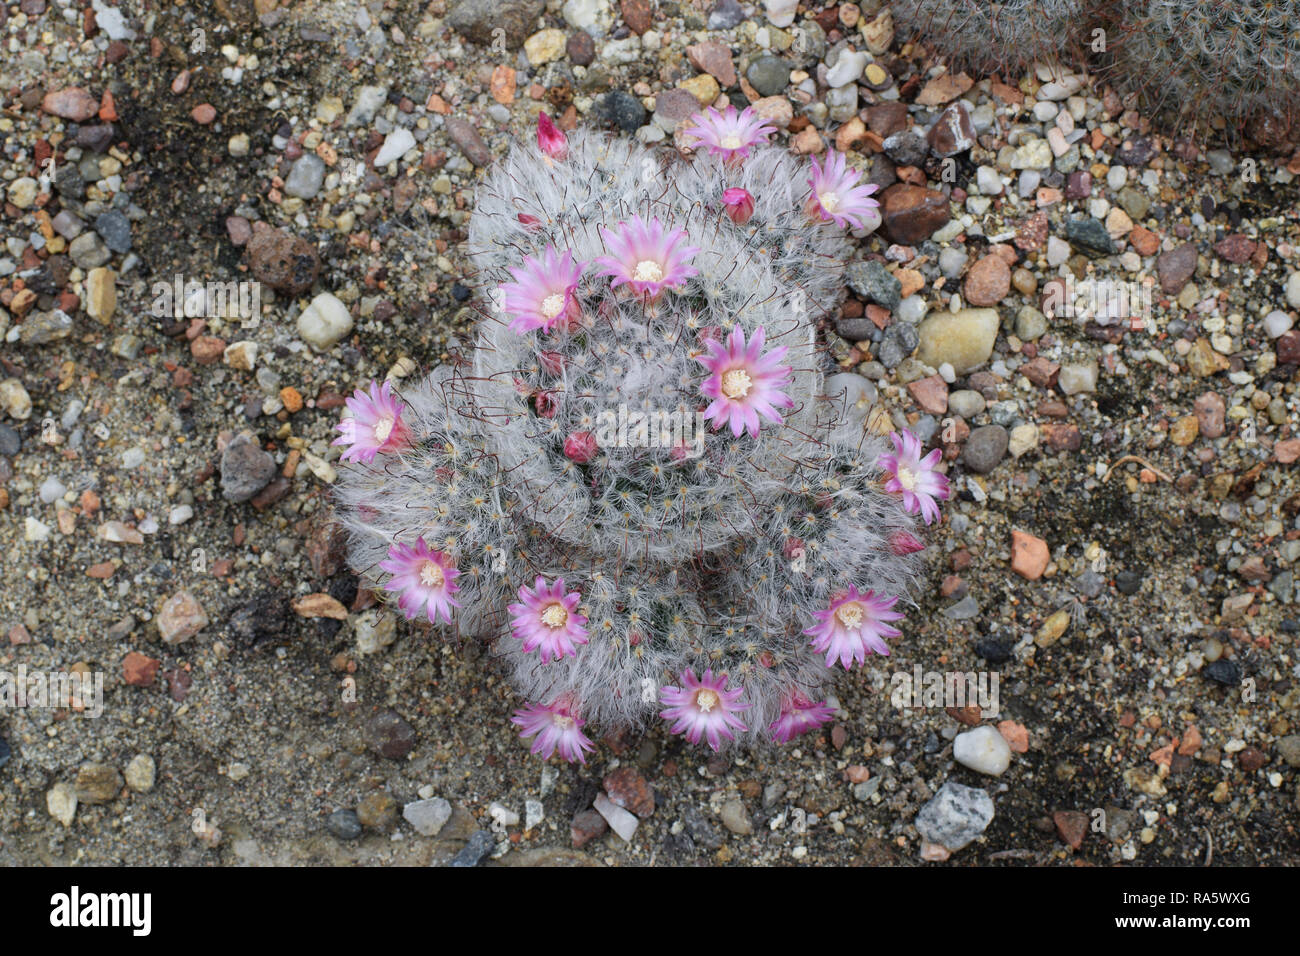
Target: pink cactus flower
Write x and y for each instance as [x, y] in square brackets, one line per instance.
[647, 258]
[580, 447]
[543, 294]
[556, 726]
[836, 195]
[729, 134]
[904, 542]
[853, 627]
[549, 138]
[424, 578]
[743, 382]
[375, 426]
[703, 707]
[738, 204]
[914, 477]
[798, 716]
[548, 619]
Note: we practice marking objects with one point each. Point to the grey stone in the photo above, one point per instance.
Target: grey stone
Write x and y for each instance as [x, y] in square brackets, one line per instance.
[769, 75]
[873, 282]
[115, 229]
[428, 817]
[1090, 237]
[985, 448]
[955, 816]
[907, 147]
[245, 468]
[88, 251]
[900, 341]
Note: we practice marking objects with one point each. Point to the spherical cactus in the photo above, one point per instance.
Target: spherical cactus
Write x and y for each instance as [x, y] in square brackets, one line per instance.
[1227, 61]
[638, 486]
[996, 36]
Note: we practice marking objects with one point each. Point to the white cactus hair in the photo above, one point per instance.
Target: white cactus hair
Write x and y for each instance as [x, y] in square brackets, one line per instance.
[681, 563]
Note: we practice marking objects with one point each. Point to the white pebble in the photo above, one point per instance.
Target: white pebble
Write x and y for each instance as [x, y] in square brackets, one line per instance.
[1276, 323]
[983, 750]
[324, 322]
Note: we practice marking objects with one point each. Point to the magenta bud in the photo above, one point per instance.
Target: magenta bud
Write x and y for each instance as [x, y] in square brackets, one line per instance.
[552, 363]
[529, 222]
[738, 204]
[904, 542]
[580, 447]
[545, 404]
[552, 142]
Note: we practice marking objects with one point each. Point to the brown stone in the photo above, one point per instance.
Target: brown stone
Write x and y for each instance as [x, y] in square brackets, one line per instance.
[713, 58]
[286, 263]
[1072, 825]
[1058, 437]
[72, 103]
[638, 15]
[930, 393]
[887, 118]
[1029, 555]
[911, 214]
[586, 826]
[988, 281]
[139, 670]
[1287, 451]
[1288, 348]
[1251, 759]
[1210, 414]
[628, 789]
[1144, 241]
[1041, 372]
[1032, 233]
[464, 135]
[207, 349]
[952, 133]
[1183, 432]
[1176, 267]
[581, 48]
[1235, 248]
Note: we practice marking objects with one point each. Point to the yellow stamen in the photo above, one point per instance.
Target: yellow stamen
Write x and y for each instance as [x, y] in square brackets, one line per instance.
[830, 202]
[647, 270]
[431, 575]
[383, 428]
[907, 478]
[706, 700]
[553, 305]
[555, 615]
[850, 615]
[736, 383]
[731, 142]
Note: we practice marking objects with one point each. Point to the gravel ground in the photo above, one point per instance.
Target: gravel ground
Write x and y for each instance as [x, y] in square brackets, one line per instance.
[1119, 553]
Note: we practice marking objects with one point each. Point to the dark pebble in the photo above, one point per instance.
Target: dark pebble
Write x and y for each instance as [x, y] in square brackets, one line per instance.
[479, 845]
[899, 341]
[115, 229]
[245, 468]
[344, 824]
[985, 448]
[1128, 582]
[1090, 236]
[97, 138]
[907, 148]
[388, 735]
[770, 74]
[581, 48]
[459, 292]
[621, 109]
[263, 619]
[993, 650]
[10, 441]
[1224, 672]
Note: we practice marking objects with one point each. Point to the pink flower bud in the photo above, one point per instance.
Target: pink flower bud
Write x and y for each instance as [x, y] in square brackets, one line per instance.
[793, 548]
[738, 204]
[529, 222]
[904, 542]
[552, 142]
[545, 404]
[552, 363]
[580, 447]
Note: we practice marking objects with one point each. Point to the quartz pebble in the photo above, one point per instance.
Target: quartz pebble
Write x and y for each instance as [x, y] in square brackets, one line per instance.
[982, 749]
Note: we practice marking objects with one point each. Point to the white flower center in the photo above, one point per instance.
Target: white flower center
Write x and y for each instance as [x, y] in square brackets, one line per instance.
[706, 700]
[383, 428]
[553, 305]
[562, 721]
[647, 270]
[736, 383]
[907, 477]
[731, 142]
[554, 615]
[830, 202]
[850, 615]
[431, 575]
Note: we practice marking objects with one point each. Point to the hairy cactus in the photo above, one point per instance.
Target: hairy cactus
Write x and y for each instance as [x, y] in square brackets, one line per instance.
[638, 486]
[1205, 59]
[1189, 61]
[995, 36]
